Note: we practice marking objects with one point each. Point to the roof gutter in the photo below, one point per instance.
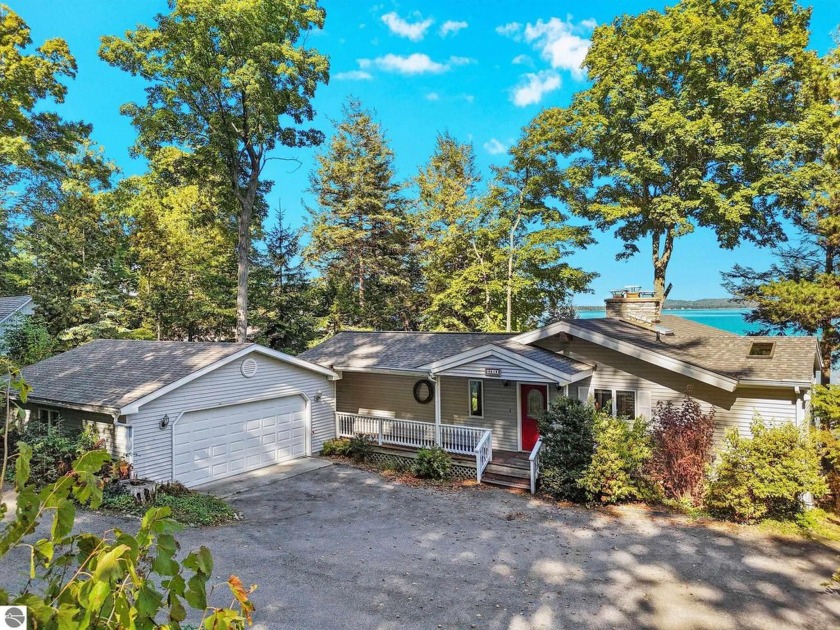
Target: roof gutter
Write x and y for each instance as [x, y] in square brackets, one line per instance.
[111, 411]
[375, 370]
[747, 382]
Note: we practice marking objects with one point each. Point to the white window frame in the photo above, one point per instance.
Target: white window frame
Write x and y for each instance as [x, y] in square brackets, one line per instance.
[480, 382]
[52, 416]
[635, 401]
[614, 399]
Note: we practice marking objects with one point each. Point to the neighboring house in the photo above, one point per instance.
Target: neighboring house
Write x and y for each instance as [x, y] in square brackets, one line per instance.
[195, 412]
[13, 309]
[464, 387]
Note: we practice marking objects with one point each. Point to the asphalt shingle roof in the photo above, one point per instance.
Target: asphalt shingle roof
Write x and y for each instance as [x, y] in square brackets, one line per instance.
[412, 350]
[10, 304]
[716, 350]
[111, 373]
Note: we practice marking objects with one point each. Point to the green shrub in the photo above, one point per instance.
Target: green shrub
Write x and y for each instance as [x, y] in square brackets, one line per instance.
[616, 472]
[29, 341]
[568, 443]
[360, 448]
[335, 447]
[53, 449]
[432, 463]
[765, 475]
[186, 506]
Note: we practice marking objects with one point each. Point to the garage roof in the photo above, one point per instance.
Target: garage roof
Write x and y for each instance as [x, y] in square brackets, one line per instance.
[107, 375]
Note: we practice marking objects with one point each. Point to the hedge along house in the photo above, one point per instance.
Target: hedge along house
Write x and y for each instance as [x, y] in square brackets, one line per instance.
[479, 394]
[193, 412]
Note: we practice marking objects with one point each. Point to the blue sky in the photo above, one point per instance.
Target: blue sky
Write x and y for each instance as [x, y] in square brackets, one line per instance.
[481, 69]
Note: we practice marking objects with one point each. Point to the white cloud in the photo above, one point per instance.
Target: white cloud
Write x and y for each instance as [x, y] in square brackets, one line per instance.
[353, 75]
[562, 43]
[534, 87]
[432, 96]
[452, 26]
[511, 29]
[417, 63]
[415, 31]
[522, 60]
[461, 61]
[495, 147]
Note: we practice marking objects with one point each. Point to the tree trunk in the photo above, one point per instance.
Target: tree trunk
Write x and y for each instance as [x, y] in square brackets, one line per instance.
[661, 256]
[243, 249]
[509, 319]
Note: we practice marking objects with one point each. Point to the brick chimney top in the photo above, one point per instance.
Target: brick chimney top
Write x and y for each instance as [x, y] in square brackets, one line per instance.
[633, 304]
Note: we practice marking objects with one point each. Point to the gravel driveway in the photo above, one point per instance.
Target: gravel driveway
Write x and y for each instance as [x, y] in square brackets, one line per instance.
[339, 547]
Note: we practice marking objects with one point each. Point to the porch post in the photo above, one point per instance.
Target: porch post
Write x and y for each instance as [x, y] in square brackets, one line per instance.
[437, 380]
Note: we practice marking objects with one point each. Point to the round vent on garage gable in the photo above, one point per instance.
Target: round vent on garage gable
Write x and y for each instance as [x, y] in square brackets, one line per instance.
[248, 368]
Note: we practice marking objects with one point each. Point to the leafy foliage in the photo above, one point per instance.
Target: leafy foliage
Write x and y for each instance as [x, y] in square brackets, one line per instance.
[233, 80]
[29, 341]
[432, 463]
[684, 124]
[52, 449]
[339, 446]
[682, 449]
[617, 469]
[185, 506]
[567, 432]
[359, 447]
[765, 475]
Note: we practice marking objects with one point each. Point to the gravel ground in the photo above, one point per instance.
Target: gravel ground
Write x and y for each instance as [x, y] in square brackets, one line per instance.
[341, 547]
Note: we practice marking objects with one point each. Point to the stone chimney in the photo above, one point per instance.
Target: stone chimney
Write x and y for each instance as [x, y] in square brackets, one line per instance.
[633, 304]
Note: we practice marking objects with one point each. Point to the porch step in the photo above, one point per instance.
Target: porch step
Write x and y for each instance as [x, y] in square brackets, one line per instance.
[506, 481]
[508, 471]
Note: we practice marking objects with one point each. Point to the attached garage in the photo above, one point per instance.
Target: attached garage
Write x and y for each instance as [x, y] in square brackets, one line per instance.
[191, 412]
[212, 444]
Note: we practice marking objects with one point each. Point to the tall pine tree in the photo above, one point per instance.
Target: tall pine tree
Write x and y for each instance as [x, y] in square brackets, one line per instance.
[360, 244]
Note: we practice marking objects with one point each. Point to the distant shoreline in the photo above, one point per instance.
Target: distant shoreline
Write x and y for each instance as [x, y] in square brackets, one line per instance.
[718, 304]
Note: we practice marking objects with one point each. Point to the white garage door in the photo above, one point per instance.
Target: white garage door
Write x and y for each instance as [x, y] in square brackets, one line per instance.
[217, 443]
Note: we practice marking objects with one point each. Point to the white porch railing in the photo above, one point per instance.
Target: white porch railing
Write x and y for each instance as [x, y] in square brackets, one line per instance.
[534, 461]
[454, 438]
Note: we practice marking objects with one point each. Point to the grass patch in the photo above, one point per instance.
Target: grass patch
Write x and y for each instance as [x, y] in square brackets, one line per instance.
[188, 508]
[816, 524]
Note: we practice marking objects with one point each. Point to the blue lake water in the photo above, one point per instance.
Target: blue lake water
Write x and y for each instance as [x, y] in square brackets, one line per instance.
[728, 319]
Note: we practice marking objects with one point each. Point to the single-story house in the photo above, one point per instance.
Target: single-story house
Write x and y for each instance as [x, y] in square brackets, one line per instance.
[13, 309]
[195, 412]
[198, 412]
[407, 389]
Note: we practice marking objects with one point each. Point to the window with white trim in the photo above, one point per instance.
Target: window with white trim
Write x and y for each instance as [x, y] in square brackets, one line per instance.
[48, 416]
[476, 399]
[625, 404]
[603, 400]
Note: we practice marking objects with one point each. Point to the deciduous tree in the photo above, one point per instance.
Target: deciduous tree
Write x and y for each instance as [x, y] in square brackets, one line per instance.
[230, 81]
[682, 126]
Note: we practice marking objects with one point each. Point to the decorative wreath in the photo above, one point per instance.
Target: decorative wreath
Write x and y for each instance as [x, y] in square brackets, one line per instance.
[418, 390]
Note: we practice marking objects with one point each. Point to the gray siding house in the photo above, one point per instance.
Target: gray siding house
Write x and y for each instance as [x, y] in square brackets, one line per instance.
[195, 412]
[13, 309]
[409, 389]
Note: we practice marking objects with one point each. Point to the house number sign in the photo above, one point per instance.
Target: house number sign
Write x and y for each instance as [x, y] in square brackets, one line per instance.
[492, 371]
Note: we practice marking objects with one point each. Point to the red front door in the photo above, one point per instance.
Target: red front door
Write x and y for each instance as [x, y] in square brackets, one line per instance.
[533, 401]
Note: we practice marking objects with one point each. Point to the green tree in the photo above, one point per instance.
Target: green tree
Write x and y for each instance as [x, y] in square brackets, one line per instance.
[182, 250]
[231, 80]
[29, 341]
[538, 283]
[458, 245]
[682, 126]
[359, 242]
[82, 273]
[282, 293]
[800, 293]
